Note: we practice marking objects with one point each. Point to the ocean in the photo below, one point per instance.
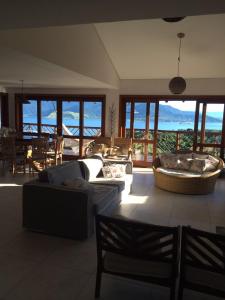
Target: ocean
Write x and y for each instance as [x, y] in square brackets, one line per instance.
[217, 126]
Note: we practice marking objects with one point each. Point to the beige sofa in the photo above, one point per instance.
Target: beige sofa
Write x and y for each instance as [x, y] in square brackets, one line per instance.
[186, 181]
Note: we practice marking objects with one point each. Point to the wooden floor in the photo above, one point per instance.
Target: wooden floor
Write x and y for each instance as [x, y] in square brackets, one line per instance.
[39, 267]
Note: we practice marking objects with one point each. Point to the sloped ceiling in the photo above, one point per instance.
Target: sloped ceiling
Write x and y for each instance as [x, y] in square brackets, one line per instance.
[148, 49]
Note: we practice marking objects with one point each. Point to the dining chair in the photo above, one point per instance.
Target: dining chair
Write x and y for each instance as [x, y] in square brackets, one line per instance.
[55, 153]
[12, 154]
[202, 264]
[100, 145]
[38, 159]
[137, 251]
[122, 147]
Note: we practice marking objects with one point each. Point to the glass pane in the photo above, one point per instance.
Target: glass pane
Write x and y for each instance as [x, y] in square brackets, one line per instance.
[150, 152]
[49, 116]
[176, 115]
[151, 121]
[92, 118]
[212, 150]
[176, 125]
[127, 125]
[71, 118]
[30, 117]
[166, 142]
[138, 151]
[140, 120]
[214, 123]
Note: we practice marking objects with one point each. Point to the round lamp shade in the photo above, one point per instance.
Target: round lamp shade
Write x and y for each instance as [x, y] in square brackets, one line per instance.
[173, 19]
[177, 85]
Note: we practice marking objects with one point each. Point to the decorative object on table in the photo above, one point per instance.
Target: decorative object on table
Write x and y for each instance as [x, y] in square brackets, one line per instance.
[177, 84]
[112, 114]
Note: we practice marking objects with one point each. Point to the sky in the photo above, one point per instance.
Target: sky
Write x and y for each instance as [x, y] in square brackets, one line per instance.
[190, 106]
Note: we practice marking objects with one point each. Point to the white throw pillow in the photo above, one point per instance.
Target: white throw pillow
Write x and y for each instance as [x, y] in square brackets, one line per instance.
[197, 166]
[184, 164]
[200, 156]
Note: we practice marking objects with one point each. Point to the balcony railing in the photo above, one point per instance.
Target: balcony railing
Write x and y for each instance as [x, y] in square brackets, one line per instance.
[67, 129]
[172, 140]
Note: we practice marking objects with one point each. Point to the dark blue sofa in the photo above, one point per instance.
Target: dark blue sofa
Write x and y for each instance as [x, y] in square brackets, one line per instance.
[53, 208]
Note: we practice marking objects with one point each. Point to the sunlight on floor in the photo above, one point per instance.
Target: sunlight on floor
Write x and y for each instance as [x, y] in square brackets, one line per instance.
[9, 184]
[135, 200]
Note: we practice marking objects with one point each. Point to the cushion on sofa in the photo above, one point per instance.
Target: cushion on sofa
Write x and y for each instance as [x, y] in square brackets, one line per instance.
[58, 174]
[103, 196]
[92, 167]
[79, 183]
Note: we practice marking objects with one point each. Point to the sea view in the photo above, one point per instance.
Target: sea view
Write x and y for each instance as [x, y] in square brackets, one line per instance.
[139, 124]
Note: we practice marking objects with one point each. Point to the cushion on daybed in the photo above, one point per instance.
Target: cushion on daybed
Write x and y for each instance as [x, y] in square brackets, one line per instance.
[192, 162]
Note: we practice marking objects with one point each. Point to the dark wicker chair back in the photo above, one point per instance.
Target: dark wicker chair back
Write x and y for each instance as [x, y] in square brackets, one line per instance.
[132, 245]
[202, 262]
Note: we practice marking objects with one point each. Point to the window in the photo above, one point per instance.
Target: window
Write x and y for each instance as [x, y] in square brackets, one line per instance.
[77, 118]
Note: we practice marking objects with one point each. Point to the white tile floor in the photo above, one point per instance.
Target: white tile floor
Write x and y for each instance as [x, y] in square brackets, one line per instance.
[39, 267]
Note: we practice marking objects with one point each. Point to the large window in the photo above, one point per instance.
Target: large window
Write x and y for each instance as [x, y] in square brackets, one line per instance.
[164, 124]
[77, 118]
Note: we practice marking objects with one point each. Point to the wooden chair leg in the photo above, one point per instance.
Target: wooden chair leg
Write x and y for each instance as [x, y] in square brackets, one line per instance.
[98, 283]
[180, 291]
[173, 292]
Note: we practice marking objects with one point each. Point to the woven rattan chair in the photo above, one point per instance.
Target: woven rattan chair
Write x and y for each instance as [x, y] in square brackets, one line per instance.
[100, 145]
[123, 147]
[202, 265]
[137, 251]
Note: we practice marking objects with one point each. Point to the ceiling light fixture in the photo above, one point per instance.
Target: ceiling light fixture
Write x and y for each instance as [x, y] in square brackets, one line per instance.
[173, 19]
[23, 101]
[177, 84]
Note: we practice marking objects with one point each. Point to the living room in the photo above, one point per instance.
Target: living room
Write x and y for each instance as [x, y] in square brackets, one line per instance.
[132, 58]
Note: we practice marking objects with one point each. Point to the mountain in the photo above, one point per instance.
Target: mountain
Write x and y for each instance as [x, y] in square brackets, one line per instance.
[218, 115]
[168, 113]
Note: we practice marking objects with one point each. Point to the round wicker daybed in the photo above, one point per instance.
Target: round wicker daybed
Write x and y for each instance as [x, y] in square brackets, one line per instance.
[204, 184]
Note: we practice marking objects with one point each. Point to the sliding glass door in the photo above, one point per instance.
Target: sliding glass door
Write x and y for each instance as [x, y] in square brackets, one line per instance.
[164, 124]
[210, 126]
[139, 121]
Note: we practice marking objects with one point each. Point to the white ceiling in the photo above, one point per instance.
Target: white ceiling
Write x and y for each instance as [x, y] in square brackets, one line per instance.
[148, 49]
[42, 13]
[35, 72]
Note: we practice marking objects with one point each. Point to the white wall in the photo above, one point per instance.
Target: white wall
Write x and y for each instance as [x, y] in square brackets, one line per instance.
[202, 86]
